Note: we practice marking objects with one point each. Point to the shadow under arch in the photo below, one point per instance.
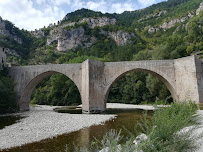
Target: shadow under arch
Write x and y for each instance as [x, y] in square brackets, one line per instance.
[160, 77]
[27, 91]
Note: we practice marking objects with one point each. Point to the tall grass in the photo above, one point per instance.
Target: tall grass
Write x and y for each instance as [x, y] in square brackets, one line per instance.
[165, 132]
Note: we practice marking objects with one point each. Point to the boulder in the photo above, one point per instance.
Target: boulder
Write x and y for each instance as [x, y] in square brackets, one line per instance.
[140, 138]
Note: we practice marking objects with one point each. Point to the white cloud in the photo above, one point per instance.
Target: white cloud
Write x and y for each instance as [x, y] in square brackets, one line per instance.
[23, 14]
[121, 7]
[34, 14]
[145, 3]
[77, 4]
[60, 2]
[39, 2]
[98, 6]
[105, 5]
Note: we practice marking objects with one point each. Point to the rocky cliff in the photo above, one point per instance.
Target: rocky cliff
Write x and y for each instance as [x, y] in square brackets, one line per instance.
[173, 22]
[5, 32]
[120, 37]
[199, 9]
[37, 33]
[70, 39]
[100, 21]
[154, 15]
[10, 52]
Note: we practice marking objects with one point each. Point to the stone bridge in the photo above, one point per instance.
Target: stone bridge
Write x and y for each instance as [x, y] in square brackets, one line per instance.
[183, 78]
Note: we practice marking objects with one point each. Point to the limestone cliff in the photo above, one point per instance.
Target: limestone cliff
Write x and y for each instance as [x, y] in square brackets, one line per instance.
[199, 9]
[37, 33]
[167, 25]
[10, 52]
[100, 21]
[153, 15]
[70, 39]
[173, 22]
[5, 32]
[120, 37]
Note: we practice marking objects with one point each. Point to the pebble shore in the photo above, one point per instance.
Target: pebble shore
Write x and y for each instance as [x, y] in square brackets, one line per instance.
[41, 122]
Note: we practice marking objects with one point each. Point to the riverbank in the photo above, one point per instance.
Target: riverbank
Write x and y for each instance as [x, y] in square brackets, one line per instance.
[41, 122]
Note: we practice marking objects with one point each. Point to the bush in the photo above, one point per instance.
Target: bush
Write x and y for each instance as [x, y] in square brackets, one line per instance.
[165, 132]
[7, 94]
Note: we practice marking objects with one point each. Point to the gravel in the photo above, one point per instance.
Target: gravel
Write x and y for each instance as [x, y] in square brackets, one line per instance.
[41, 122]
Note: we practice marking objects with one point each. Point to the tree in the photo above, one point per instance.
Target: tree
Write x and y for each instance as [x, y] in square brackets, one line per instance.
[7, 94]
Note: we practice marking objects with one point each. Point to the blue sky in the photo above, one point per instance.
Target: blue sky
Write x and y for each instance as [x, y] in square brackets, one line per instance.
[35, 14]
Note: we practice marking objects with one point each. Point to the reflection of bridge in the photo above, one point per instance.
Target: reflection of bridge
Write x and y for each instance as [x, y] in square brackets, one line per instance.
[183, 77]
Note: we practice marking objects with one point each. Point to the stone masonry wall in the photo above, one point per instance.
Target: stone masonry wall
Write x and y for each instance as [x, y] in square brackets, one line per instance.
[186, 79]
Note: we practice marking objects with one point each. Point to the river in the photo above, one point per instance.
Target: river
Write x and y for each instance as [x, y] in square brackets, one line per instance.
[125, 120]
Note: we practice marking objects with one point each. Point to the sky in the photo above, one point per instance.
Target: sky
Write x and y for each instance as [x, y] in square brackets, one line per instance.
[35, 14]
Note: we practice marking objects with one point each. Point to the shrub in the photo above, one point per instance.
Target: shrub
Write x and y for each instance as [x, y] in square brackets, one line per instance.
[170, 130]
[7, 94]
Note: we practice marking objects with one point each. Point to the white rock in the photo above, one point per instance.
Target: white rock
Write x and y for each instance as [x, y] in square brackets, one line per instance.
[106, 149]
[140, 138]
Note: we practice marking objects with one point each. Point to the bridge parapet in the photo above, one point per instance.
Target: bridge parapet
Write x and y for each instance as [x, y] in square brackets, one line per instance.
[183, 77]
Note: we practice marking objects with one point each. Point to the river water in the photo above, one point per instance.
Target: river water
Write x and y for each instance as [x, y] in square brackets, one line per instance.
[126, 121]
[8, 120]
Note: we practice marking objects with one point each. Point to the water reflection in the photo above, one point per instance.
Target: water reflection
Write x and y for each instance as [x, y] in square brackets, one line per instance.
[8, 120]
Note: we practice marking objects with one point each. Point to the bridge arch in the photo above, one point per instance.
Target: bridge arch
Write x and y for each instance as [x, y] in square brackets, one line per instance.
[32, 83]
[160, 75]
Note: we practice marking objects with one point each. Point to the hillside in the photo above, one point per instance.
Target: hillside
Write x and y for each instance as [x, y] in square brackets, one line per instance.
[166, 30]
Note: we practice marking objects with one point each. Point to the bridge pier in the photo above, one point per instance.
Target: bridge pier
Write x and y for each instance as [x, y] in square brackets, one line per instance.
[92, 93]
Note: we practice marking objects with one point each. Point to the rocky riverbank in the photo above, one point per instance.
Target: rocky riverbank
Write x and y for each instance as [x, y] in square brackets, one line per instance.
[41, 122]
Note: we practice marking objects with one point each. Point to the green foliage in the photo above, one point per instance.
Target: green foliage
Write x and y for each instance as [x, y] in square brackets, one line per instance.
[27, 40]
[82, 13]
[138, 87]
[56, 90]
[166, 132]
[47, 30]
[7, 93]
[172, 119]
